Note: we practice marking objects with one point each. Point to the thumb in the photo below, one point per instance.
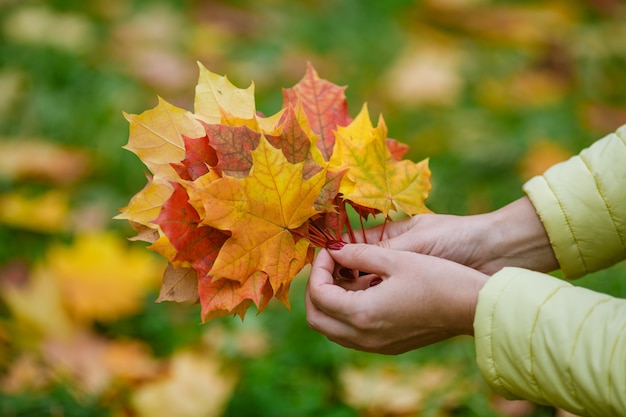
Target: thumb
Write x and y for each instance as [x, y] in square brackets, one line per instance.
[363, 257]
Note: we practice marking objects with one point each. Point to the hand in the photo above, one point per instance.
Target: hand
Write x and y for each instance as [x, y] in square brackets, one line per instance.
[420, 301]
[511, 236]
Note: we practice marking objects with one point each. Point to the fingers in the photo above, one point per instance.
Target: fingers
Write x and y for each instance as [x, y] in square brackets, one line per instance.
[323, 293]
[382, 232]
[367, 258]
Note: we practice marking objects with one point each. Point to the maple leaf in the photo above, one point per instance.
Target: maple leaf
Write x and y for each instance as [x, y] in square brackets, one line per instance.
[297, 140]
[223, 297]
[260, 210]
[156, 136]
[195, 244]
[232, 145]
[180, 284]
[374, 178]
[325, 105]
[146, 204]
[215, 95]
[199, 156]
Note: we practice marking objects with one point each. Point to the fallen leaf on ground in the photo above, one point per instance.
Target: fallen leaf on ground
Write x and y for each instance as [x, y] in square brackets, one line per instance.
[197, 384]
[100, 277]
[41, 160]
[46, 213]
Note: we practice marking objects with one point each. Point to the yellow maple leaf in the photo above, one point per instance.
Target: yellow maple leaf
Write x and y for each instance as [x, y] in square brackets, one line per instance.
[145, 206]
[217, 100]
[156, 136]
[215, 94]
[375, 179]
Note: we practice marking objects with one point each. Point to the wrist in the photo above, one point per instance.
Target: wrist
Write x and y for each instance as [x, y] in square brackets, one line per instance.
[519, 239]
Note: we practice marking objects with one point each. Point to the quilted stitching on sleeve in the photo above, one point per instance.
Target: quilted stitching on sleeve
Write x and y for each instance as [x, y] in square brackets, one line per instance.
[540, 338]
[582, 204]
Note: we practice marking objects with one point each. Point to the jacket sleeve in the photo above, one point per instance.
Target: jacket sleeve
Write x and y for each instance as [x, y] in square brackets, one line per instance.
[582, 205]
[540, 338]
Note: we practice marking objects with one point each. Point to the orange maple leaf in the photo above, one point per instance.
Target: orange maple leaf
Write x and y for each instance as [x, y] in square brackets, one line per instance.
[260, 211]
[325, 105]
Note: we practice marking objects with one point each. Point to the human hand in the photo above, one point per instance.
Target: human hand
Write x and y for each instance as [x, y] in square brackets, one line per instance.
[421, 299]
[510, 236]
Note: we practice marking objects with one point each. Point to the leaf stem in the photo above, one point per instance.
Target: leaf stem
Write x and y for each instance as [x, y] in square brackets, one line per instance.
[362, 229]
[350, 231]
[382, 229]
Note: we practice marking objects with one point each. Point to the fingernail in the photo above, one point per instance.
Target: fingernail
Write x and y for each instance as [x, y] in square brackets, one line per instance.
[346, 273]
[376, 281]
[335, 244]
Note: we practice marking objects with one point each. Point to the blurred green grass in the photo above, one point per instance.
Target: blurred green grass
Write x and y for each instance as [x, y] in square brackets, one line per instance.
[472, 85]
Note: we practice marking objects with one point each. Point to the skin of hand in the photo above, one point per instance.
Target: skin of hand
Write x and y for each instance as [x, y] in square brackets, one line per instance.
[421, 299]
[510, 236]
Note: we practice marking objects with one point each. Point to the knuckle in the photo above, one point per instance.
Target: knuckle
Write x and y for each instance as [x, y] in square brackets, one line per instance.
[385, 244]
[362, 321]
[312, 324]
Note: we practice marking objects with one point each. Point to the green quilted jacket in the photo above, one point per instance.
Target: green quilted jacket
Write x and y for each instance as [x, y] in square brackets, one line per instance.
[541, 338]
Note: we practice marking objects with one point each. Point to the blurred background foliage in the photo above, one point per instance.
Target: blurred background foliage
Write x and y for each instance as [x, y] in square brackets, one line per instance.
[493, 92]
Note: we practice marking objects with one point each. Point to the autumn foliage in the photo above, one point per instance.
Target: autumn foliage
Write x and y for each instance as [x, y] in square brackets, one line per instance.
[237, 201]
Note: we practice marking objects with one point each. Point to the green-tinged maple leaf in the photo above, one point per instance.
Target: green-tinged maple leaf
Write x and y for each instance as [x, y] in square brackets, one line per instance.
[260, 210]
[374, 178]
[325, 105]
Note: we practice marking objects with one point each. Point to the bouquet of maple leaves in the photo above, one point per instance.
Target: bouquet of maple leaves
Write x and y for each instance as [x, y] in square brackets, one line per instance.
[237, 202]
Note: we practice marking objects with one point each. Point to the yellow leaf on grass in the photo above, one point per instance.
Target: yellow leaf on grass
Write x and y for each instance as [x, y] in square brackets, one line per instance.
[196, 385]
[36, 302]
[400, 390]
[47, 212]
[92, 364]
[30, 159]
[100, 277]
